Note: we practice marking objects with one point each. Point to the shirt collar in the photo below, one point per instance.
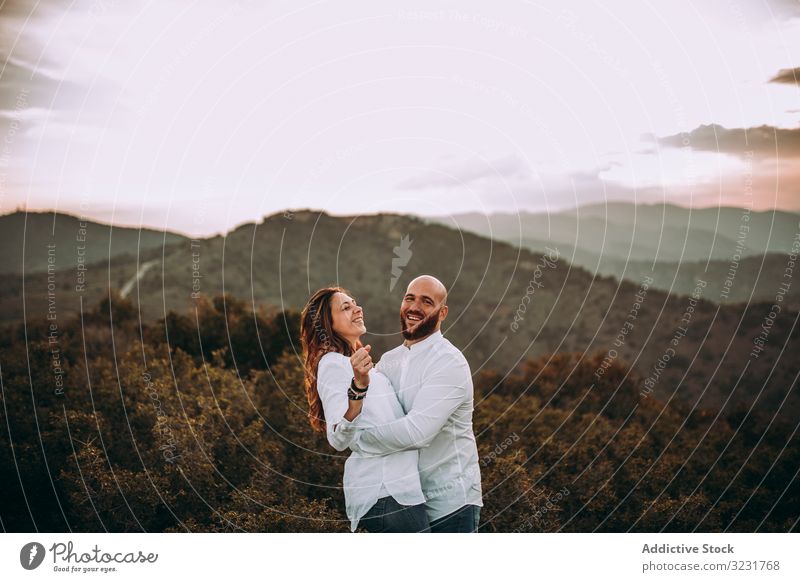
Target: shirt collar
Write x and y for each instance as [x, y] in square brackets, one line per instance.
[426, 343]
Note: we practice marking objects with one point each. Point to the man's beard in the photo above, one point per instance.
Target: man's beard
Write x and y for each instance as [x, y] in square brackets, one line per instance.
[424, 328]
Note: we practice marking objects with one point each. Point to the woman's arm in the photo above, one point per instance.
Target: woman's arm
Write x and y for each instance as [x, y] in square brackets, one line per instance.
[353, 409]
[341, 414]
[361, 363]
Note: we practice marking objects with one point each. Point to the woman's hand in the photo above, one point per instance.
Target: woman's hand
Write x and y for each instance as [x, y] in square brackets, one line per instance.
[362, 364]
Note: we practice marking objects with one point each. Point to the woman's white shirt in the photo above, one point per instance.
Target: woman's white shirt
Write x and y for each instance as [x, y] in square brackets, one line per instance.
[366, 478]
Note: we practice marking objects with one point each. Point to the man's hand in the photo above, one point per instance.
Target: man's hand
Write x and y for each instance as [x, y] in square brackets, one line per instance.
[362, 363]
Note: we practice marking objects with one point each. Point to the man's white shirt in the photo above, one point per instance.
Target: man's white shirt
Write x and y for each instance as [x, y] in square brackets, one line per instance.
[433, 383]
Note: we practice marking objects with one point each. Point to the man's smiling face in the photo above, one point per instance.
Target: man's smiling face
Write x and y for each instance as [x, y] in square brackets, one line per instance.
[422, 309]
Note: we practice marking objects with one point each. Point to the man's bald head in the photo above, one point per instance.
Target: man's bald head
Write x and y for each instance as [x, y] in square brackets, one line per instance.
[431, 285]
[423, 308]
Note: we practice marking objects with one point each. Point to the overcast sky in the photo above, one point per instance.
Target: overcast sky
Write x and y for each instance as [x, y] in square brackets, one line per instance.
[198, 116]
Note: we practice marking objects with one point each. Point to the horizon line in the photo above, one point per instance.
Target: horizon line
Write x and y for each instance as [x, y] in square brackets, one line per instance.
[102, 222]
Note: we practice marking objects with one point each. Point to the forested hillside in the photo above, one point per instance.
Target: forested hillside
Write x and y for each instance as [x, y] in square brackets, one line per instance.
[507, 304]
[188, 424]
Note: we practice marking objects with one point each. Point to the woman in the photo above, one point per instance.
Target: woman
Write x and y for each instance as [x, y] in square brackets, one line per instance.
[345, 392]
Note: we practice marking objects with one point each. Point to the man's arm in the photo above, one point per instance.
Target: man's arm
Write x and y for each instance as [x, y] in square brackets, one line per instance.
[441, 393]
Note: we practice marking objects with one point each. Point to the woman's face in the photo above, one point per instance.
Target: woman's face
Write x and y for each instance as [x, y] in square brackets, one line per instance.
[348, 317]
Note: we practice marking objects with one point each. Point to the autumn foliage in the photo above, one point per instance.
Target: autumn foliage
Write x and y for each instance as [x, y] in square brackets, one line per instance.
[198, 423]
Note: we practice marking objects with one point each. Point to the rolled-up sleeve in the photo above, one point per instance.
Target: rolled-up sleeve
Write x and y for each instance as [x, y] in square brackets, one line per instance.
[442, 392]
[333, 378]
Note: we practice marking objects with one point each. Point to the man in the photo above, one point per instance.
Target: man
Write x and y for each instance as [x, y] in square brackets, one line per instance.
[434, 385]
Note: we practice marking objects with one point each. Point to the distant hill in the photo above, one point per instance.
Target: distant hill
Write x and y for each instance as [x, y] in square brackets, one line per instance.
[661, 232]
[756, 278]
[558, 308]
[673, 244]
[33, 231]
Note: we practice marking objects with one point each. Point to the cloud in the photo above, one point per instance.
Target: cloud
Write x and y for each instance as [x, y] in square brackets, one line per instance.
[18, 18]
[784, 9]
[476, 170]
[787, 76]
[762, 141]
[22, 82]
[509, 184]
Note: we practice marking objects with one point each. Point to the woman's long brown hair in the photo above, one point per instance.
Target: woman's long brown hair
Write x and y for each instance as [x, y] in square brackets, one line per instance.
[318, 338]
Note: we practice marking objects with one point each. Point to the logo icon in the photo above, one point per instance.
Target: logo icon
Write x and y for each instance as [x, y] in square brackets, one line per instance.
[31, 555]
[402, 254]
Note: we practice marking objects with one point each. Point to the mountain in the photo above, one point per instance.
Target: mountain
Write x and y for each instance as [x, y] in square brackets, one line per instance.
[769, 231]
[507, 304]
[674, 245]
[658, 232]
[71, 239]
[755, 278]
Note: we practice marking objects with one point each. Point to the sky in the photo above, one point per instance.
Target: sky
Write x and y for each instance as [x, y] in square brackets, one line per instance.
[199, 116]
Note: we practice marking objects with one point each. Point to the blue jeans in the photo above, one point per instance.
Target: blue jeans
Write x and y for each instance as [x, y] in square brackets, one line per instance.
[462, 520]
[388, 516]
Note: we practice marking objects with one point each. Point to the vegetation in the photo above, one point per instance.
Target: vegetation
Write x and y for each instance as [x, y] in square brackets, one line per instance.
[507, 304]
[197, 422]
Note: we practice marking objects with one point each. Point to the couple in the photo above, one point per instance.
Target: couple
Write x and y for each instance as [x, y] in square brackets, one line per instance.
[407, 421]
